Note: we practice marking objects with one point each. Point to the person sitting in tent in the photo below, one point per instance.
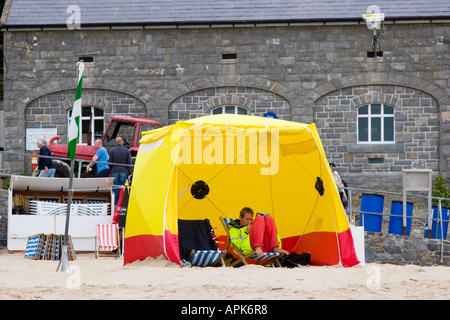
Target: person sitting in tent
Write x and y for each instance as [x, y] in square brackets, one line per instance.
[259, 235]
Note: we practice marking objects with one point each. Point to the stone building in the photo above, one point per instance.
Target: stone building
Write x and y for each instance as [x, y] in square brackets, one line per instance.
[378, 109]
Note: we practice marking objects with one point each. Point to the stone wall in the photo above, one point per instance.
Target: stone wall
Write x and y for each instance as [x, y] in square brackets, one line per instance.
[398, 249]
[416, 133]
[52, 110]
[255, 101]
[306, 73]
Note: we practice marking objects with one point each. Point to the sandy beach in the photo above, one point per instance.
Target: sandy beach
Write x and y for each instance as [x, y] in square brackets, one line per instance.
[107, 278]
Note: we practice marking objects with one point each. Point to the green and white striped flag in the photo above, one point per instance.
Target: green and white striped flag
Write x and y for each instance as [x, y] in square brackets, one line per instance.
[75, 119]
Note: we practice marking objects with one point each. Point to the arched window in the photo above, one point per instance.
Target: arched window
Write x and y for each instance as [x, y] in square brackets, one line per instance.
[92, 124]
[376, 123]
[229, 109]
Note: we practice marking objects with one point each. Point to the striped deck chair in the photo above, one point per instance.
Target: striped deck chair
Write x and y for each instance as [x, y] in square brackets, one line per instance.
[203, 258]
[198, 243]
[268, 258]
[107, 240]
[33, 244]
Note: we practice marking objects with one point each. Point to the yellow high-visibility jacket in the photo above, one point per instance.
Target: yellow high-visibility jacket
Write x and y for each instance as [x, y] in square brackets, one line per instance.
[239, 237]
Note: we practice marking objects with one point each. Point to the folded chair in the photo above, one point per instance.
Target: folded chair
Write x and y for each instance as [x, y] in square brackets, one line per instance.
[107, 240]
[198, 243]
[267, 258]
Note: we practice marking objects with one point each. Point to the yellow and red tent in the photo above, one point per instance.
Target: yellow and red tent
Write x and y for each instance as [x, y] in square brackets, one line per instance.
[215, 165]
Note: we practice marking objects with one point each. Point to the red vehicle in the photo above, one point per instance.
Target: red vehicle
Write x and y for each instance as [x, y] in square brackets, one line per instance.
[128, 127]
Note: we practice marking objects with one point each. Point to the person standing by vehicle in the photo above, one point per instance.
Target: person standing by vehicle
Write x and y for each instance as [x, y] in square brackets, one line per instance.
[119, 155]
[46, 165]
[100, 155]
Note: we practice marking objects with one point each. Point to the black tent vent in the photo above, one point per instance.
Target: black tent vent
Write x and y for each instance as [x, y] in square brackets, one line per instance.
[199, 189]
[319, 186]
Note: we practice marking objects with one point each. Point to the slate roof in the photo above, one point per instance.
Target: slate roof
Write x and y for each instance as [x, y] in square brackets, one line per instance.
[28, 13]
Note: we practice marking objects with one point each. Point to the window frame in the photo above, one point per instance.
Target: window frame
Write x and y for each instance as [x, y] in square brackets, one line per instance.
[224, 107]
[94, 118]
[370, 116]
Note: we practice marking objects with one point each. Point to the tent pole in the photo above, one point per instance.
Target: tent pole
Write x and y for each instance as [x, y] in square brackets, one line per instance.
[64, 261]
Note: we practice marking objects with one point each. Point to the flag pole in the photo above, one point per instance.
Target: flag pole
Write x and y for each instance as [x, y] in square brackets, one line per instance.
[64, 261]
[74, 134]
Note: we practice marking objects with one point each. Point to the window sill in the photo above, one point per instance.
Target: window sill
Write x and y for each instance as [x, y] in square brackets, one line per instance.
[382, 147]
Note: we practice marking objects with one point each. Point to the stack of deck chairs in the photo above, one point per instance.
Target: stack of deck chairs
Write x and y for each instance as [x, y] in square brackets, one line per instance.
[48, 247]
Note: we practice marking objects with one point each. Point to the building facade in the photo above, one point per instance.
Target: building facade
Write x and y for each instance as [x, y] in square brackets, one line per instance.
[376, 116]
